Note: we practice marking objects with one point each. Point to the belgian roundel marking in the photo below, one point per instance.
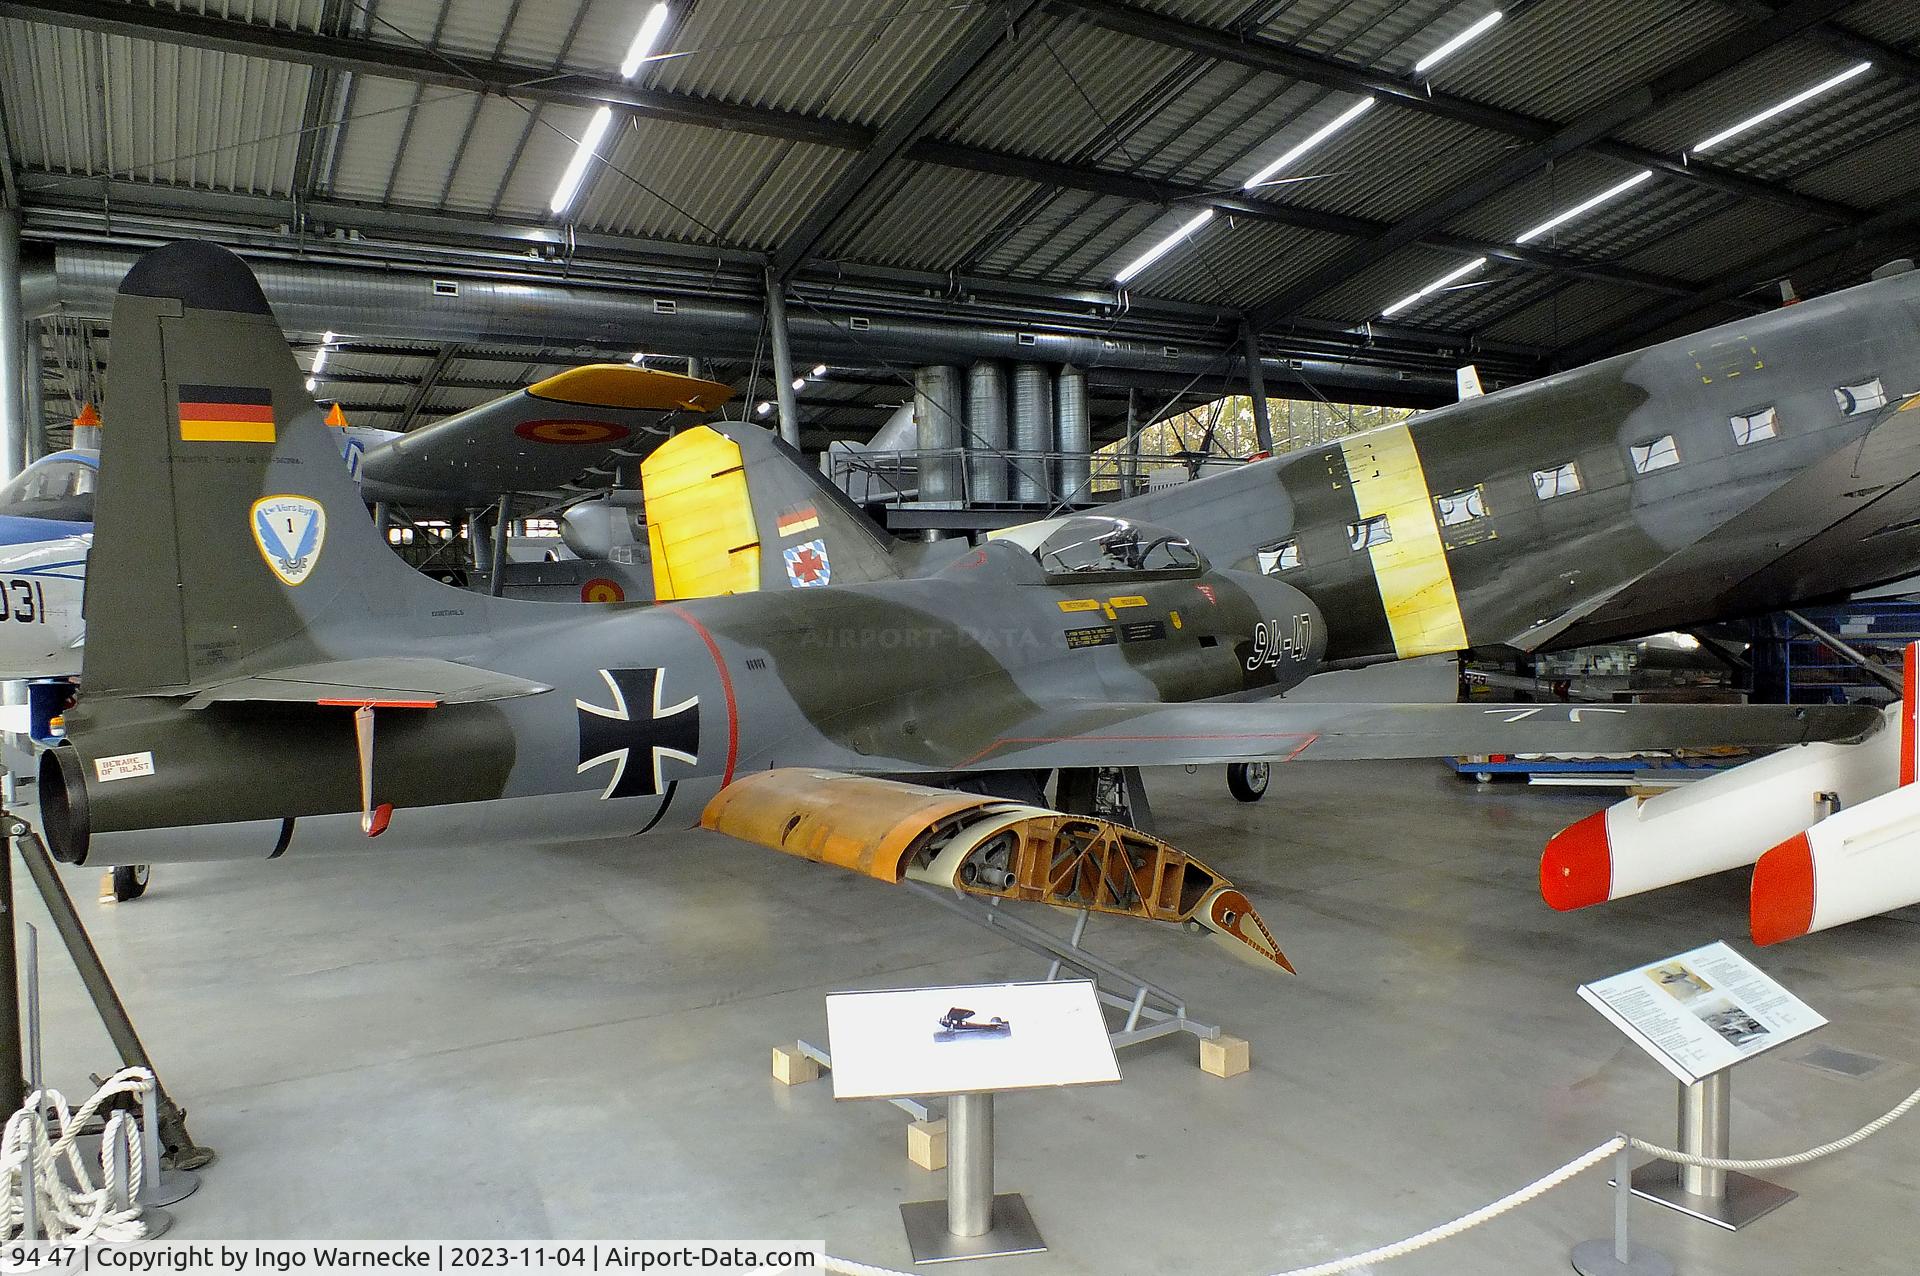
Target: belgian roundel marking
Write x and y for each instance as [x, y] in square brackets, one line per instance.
[602, 590]
[571, 432]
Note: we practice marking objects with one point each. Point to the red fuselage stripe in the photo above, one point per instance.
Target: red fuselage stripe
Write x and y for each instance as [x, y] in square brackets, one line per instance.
[726, 689]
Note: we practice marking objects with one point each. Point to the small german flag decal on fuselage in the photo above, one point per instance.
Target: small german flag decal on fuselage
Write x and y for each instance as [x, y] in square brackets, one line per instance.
[226, 414]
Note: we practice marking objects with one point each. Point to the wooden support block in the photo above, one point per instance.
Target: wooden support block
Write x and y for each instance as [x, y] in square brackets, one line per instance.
[107, 894]
[1225, 1056]
[791, 1067]
[927, 1144]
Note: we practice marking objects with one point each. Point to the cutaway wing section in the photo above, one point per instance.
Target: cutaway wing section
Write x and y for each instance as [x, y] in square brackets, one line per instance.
[1285, 731]
[565, 434]
[987, 847]
[418, 682]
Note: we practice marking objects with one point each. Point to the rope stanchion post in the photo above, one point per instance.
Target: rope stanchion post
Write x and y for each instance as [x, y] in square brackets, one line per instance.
[1616, 1255]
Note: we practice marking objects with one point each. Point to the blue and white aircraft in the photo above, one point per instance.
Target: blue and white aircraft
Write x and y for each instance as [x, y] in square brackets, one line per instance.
[46, 529]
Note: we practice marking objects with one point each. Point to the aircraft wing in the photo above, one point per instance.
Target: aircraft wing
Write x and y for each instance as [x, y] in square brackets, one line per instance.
[1287, 731]
[562, 435]
[398, 681]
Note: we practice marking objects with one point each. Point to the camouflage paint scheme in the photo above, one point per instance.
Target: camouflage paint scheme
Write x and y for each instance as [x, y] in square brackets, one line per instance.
[226, 666]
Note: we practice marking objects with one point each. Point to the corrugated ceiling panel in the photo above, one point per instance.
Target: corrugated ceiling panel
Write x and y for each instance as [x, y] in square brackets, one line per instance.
[1631, 223]
[1366, 294]
[925, 217]
[81, 102]
[1557, 61]
[857, 60]
[1235, 139]
[493, 129]
[302, 15]
[1389, 163]
[1729, 98]
[676, 181]
[1532, 200]
[1391, 33]
[1051, 242]
[1874, 174]
[1895, 22]
[542, 33]
[1021, 100]
[1241, 265]
[1567, 316]
[528, 185]
[1705, 248]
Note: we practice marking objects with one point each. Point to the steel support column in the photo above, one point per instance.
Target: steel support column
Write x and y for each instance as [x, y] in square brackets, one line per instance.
[13, 331]
[782, 360]
[35, 397]
[1256, 389]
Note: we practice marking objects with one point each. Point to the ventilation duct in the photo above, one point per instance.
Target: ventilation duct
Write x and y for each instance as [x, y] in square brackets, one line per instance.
[986, 441]
[313, 296]
[1073, 436]
[1032, 431]
[938, 414]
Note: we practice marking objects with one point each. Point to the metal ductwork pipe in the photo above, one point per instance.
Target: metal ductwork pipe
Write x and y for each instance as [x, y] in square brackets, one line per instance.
[405, 305]
[1073, 434]
[1032, 431]
[987, 432]
[938, 414]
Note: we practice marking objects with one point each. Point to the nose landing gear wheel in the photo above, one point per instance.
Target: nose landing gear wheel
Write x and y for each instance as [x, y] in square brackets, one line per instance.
[130, 881]
[1247, 781]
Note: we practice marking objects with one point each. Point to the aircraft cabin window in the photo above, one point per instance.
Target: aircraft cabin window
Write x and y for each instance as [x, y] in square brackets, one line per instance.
[1864, 396]
[1283, 557]
[1369, 532]
[1755, 427]
[1656, 454]
[1558, 481]
[1462, 507]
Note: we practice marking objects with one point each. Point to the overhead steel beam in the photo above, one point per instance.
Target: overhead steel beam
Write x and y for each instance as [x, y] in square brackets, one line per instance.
[1720, 56]
[1263, 54]
[1756, 272]
[420, 65]
[410, 63]
[906, 127]
[1155, 191]
[428, 383]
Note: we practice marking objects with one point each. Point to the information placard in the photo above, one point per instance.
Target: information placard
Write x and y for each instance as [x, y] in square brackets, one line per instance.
[1701, 1011]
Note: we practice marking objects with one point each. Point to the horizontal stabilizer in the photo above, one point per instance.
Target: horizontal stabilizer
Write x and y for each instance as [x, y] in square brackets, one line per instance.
[383, 682]
[1286, 730]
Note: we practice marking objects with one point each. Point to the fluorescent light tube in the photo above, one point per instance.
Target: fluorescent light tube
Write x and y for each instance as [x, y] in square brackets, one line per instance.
[1458, 42]
[1451, 276]
[1805, 95]
[1318, 136]
[582, 156]
[644, 39]
[1165, 246]
[1585, 206]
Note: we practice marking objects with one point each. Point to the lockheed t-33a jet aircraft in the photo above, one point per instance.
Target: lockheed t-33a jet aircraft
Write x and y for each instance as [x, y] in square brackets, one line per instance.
[264, 678]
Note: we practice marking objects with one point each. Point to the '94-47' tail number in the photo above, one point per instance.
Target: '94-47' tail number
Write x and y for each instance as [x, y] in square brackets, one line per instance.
[1278, 640]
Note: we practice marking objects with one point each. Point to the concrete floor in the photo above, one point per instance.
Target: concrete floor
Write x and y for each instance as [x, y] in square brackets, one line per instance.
[574, 1043]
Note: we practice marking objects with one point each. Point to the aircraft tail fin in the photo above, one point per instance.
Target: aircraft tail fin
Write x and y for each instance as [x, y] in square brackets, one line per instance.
[731, 509]
[1467, 380]
[229, 537]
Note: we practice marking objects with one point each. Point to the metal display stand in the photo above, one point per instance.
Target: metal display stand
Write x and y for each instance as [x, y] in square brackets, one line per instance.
[1725, 1198]
[972, 1222]
[1055, 1036]
[166, 1123]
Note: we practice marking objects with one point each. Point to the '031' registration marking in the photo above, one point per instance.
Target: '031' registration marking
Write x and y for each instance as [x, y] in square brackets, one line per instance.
[24, 601]
[1277, 640]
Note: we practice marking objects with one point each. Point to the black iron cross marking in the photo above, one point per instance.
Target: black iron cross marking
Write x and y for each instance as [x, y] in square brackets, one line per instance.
[637, 746]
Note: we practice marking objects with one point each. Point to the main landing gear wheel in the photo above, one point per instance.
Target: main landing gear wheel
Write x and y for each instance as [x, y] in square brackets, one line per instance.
[1248, 780]
[130, 881]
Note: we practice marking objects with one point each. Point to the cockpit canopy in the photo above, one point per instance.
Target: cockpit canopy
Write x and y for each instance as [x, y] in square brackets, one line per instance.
[58, 487]
[1097, 545]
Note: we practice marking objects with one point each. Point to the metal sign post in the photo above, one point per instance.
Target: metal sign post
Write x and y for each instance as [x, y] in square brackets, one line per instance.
[1725, 1198]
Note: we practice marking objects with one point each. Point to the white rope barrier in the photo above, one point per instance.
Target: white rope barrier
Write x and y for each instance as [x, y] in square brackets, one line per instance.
[1513, 1200]
[68, 1205]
